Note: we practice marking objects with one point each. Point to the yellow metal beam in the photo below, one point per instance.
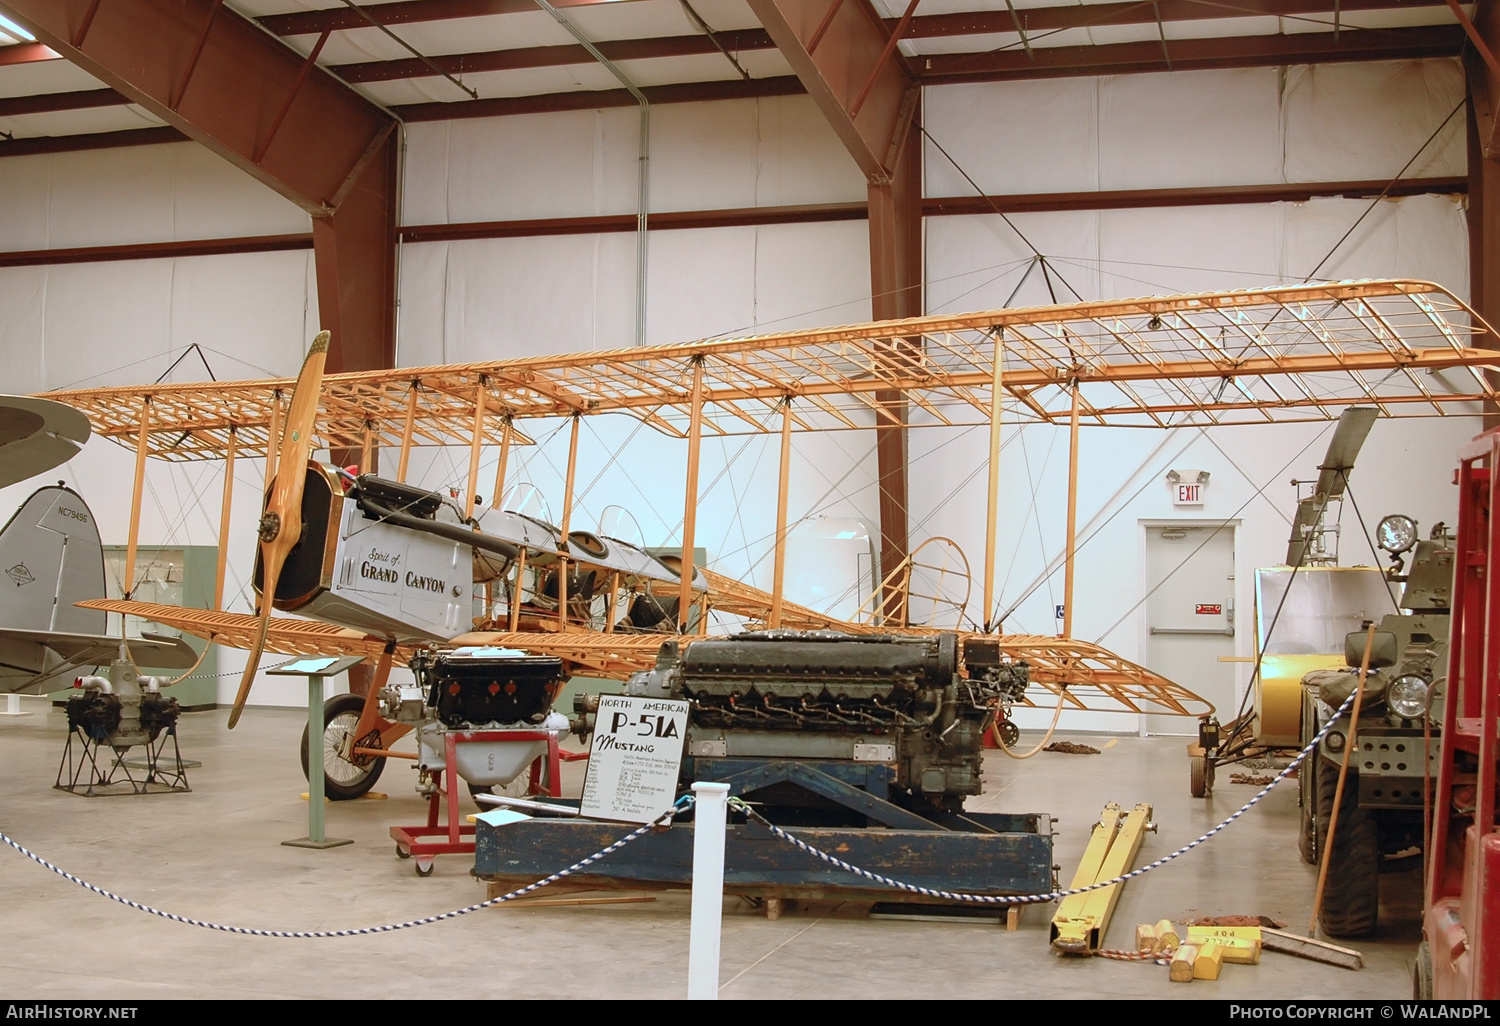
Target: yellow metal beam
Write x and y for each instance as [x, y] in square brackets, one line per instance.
[1081, 921]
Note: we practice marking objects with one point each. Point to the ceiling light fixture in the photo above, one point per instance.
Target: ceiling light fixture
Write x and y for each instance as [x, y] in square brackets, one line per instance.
[10, 28]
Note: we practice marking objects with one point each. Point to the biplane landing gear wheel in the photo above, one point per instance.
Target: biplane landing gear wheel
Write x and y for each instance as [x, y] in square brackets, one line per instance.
[342, 779]
[1201, 776]
[1010, 734]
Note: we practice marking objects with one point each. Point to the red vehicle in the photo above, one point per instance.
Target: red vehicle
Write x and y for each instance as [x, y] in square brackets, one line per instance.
[1460, 952]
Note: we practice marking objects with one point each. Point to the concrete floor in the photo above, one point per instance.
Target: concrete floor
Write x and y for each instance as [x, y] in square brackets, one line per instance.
[215, 854]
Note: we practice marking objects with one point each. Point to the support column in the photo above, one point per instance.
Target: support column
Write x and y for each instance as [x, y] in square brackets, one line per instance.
[992, 506]
[224, 520]
[896, 292]
[505, 433]
[690, 501]
[127, 586]
[1072, 526]
[778, 573]
[1484, 224]
[567, 519]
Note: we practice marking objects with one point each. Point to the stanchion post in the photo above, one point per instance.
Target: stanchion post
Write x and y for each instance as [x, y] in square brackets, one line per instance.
[709, 818]
[316, 670]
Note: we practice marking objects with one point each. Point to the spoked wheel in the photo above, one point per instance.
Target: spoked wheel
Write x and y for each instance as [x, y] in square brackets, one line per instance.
[1010, 734]
[342, 779]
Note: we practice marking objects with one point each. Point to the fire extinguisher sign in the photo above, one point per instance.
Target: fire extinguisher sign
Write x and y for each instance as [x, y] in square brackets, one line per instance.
[634, 758]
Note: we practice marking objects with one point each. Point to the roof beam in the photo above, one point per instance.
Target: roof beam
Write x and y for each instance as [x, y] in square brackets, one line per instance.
[47, 103]
[597, 99]
[144, 50]
[968, 23]
[26, 53]
[217, 78]
[839, 52]
[403, 12]
[1190, 54]
[554, 56]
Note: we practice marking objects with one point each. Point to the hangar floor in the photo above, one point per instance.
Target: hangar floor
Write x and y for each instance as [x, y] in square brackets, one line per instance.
[215, 854]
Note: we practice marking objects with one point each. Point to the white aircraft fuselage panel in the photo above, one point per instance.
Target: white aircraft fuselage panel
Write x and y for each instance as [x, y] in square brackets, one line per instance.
[395, 581]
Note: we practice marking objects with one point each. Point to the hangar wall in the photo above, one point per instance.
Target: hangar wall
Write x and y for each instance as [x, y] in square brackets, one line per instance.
[493, 298]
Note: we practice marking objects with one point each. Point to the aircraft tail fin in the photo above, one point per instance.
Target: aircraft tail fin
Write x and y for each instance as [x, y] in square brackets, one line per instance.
[50, 558]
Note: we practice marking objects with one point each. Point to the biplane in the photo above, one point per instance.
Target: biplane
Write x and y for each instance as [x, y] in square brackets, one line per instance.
[601, 604]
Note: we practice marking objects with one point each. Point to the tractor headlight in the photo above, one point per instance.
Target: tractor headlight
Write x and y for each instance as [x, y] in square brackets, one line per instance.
[1407, 697]
[1396, 533]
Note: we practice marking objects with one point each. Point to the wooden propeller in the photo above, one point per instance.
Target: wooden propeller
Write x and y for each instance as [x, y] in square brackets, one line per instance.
[281, 523]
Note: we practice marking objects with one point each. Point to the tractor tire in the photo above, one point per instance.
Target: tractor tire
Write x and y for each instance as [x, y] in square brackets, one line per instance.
[1351, 896]
[342, 780]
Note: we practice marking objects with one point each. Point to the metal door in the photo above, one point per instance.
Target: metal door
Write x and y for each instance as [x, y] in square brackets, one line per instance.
[1190, 618]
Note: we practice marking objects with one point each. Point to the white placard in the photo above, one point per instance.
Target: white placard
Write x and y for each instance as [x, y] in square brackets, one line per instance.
[634, 758]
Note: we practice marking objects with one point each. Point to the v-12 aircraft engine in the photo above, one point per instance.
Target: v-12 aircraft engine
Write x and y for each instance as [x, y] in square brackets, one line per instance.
[841, 700]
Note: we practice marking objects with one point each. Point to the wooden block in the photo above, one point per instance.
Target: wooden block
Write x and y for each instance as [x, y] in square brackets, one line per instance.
[1181, 970]
[1145, 937]
[1013, 918]
[1240, 952]
[1202, 933]
[1167, 937]
[1241, 944]
[1209, 961]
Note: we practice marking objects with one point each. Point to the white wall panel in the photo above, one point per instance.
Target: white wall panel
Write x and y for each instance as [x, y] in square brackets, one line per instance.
[1014, 137]
[23, 298]
[800, 159]
[135, 194]
[978, 262]
[421, 316]
[1358, 121]
[702, 283]
[1188, 249]
[738, 153]
[520, 167]
[810, 274]
[704, 155]
[1189, 128]
[1422, 237]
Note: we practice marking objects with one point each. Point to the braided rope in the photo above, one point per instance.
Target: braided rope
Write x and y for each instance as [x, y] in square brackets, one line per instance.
[1036, 899]
[682, 804]
[1120, 955]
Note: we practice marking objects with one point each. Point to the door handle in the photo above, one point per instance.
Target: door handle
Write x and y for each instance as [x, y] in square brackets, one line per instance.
[1223, 631]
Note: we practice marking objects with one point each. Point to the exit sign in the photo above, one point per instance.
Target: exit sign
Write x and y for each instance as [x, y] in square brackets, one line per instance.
[1188, 494]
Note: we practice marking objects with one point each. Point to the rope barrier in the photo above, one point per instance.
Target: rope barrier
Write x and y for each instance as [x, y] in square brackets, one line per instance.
[683, 803]
[1036, 899]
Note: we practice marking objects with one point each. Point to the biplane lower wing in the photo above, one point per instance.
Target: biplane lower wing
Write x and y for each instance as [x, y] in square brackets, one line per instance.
[284, 636]
[1087, 676]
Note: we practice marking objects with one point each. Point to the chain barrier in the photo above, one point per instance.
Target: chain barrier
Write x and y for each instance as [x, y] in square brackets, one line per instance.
[1037, 899]
[683, 803]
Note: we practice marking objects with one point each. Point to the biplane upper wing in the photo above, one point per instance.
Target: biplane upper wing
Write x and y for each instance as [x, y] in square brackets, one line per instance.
[1289, 353]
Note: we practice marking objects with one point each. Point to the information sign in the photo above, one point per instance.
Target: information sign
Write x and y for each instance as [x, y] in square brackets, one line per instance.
[634, 758]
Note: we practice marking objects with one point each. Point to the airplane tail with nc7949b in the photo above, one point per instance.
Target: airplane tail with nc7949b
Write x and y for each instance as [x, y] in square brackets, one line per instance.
[50, 558]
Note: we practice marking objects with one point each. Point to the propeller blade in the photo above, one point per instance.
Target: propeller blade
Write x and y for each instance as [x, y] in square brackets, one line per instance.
[281, 523]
